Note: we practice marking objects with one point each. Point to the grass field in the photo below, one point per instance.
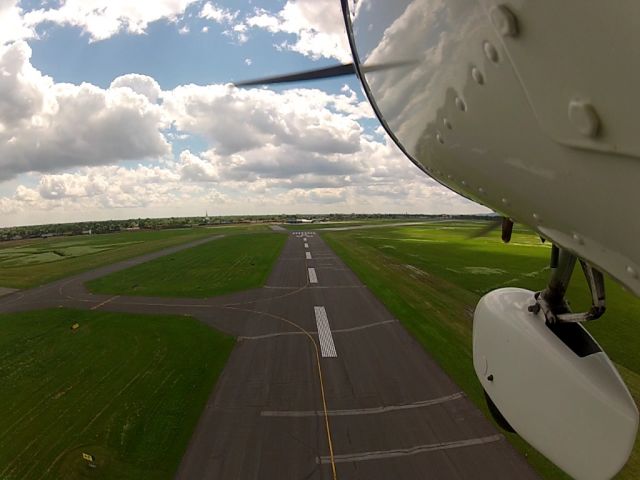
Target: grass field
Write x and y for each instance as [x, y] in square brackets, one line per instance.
[225, 265]
[127, 389]
[430, 277]
[28, 263]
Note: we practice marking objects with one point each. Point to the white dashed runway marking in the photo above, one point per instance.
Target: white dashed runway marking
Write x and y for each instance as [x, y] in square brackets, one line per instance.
[327, 348]
[306, 245]
[362, 411]
[308, 255]
[377, 455]
[313, 278]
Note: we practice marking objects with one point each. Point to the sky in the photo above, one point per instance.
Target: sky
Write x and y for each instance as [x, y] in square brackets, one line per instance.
[113, 109]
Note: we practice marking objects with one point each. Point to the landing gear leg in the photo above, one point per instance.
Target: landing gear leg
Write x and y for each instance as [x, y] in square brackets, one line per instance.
[552, 300]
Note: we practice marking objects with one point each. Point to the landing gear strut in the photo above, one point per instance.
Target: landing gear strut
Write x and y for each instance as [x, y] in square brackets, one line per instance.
[552, 300]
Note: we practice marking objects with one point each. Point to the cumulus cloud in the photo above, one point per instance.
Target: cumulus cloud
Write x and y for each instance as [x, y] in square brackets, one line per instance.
[140, 84]
[197, 169]
[317, 33]
[101, 20]
[311, 119]
[13, 27]
[45, 126]
[109, 186]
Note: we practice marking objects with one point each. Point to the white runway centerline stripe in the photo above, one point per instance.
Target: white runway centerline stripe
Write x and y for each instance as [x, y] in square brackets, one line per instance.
[313, 278]
[359, 457]
[308, 255]
[327, 347]
[306, 245]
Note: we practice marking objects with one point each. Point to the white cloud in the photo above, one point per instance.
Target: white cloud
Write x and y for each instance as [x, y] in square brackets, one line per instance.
[196, 169]
[248, 61]
[316, 24]
[47, 126]
[13, 28]
[102, 20]
[310, 119]
[223, 16]
[140, 84]
[211, 11]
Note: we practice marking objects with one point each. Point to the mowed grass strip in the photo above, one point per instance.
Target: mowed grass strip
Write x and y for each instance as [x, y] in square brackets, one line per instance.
[431, 277]
[229, 264]
[127, 389]
[28, 263]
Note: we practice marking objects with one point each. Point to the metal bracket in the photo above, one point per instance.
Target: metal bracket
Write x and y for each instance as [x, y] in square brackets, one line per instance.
[552, 300]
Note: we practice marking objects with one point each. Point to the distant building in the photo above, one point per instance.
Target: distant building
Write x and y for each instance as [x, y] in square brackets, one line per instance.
[300, 220]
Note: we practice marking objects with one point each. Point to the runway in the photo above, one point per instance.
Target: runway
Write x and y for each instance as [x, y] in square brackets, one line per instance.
[323, 383]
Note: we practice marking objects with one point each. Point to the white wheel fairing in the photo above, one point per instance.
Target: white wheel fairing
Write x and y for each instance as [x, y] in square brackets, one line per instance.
[469, 109]
[576, 410]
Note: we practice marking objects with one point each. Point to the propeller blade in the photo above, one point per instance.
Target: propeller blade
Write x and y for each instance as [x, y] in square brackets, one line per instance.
[321, 73]
[499, 222]
[328, 72]
[486, 229]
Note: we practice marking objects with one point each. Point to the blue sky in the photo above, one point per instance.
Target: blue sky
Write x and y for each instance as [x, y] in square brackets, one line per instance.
[115, 109]
[170, 57]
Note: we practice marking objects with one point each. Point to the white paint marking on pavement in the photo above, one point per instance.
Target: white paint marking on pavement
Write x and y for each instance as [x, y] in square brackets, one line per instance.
[313, 278]
[308, 255]
[377, 455]
[306, 245]
[95, 307]
[362, 411]
[333, 332]
[327, 348]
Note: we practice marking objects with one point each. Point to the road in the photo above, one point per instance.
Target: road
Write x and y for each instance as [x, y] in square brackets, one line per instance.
[323, 383]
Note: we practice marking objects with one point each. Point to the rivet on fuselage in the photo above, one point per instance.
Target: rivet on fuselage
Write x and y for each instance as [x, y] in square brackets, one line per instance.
[505, 21]
[447, 123]
[578, 239]
[477, 76]
[632, 272]
[461, 105]
[491, 52]
[584, 117]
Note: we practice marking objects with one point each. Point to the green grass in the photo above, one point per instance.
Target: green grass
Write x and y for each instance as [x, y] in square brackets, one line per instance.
[28, 263]
[225, 265]
[127, 389]
[431, 276]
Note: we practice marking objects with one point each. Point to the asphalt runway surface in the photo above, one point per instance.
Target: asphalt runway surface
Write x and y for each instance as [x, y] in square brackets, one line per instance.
[323, 382]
